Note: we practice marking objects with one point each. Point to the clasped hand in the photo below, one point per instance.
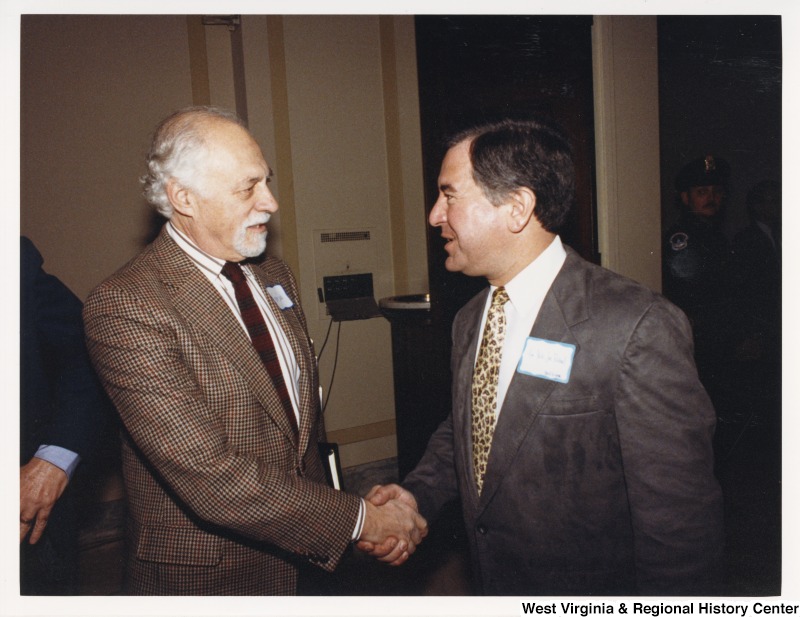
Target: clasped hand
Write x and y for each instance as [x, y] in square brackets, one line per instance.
[393, 526]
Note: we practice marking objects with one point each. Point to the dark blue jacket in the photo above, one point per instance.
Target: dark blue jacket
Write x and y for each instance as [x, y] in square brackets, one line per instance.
[61, 401]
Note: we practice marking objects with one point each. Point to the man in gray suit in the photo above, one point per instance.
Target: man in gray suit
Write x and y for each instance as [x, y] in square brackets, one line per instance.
[580, 439]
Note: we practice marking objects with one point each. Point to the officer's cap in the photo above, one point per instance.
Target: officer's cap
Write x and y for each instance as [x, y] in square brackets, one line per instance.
[706, 171]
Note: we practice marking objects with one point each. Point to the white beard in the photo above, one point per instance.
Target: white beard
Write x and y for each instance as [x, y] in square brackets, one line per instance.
[248, 243]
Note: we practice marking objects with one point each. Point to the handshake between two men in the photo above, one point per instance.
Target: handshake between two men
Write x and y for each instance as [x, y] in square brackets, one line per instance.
[393, 527]
[192, 375]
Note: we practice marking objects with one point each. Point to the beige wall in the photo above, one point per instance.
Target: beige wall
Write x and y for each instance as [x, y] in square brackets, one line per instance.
[333, 102]
[93, 87]
[342, 182]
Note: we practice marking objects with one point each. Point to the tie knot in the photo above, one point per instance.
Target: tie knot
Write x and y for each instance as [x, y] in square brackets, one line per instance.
[499, 297]
[233, 271]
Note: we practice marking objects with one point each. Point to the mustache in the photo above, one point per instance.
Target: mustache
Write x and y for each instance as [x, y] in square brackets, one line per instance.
[259, 218]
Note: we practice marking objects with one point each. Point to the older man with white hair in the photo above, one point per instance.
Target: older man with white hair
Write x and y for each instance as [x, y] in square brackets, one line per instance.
[204, 351]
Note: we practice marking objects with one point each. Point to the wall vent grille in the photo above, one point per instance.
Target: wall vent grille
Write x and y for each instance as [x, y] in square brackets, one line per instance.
[344, 236]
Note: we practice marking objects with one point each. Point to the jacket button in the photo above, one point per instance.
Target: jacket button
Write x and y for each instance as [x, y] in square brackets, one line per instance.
[482, 529]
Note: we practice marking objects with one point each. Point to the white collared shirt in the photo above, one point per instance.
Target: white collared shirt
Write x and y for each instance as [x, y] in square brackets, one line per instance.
[211, 267]
[526, 293]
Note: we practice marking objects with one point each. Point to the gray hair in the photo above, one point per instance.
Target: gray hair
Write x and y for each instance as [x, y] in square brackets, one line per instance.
[178, 145]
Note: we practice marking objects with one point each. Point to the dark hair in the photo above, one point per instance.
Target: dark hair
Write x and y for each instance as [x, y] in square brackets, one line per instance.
[511, 154]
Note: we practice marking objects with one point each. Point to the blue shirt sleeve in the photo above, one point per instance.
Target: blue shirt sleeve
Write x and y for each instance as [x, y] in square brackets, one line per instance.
[62, 458]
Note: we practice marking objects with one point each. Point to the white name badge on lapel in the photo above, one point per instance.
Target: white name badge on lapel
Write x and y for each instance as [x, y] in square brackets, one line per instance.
[279, 295]
[547, 359]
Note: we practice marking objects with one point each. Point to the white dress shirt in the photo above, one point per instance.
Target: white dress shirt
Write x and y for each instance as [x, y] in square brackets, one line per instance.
[526, 292]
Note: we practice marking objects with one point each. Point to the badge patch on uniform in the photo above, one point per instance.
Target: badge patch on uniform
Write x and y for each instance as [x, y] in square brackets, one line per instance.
[277, 293]
[679, 241]
[547, 359]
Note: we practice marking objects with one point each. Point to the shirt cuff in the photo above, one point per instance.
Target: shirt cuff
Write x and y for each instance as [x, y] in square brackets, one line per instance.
[360, 522]
[64, 459]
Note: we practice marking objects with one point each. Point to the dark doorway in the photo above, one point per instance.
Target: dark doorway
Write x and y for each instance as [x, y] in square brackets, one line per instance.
[720, 82]
[477, 68]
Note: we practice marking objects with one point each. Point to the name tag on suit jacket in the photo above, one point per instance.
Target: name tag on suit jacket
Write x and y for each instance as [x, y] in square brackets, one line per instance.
[547, 359]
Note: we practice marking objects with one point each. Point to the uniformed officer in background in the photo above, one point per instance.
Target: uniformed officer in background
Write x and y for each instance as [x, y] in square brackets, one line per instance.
[696, 267]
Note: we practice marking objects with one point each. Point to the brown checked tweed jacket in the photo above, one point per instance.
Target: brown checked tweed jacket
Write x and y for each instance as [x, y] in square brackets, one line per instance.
[221, 501]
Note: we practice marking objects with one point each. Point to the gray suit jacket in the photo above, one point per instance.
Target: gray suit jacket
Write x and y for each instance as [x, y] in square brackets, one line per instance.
[604, 484]
[221, 500]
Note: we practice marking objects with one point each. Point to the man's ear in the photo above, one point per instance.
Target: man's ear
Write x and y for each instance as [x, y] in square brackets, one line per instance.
[523, 202]
[685, 198]
[180, 197]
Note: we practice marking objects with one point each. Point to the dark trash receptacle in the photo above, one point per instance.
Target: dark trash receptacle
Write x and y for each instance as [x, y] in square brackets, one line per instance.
[421, 358]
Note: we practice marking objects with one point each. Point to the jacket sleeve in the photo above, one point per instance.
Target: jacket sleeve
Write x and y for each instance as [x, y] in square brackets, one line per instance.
[144, 358]
[433, 481]
[57, 375]
[666, 424]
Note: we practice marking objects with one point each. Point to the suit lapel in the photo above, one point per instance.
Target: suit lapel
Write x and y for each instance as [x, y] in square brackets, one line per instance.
[563, 307]
[464, 350]
[201, 307]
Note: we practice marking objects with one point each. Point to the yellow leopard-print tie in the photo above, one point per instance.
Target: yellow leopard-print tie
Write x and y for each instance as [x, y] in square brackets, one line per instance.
[484, 384]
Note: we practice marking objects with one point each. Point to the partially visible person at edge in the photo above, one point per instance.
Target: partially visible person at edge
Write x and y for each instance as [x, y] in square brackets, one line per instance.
[202, 345]
[63, 415]
[757, 255]
[757, 271]
[580, 438]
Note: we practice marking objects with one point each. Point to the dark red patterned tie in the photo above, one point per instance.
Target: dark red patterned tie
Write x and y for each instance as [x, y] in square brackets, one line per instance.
[259, 334]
